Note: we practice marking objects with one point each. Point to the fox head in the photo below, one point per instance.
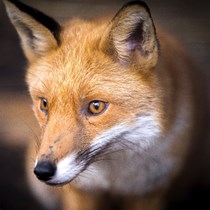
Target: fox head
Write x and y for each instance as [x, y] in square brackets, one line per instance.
[93, 86]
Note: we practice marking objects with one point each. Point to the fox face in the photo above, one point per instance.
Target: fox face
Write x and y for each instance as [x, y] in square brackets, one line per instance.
[95, 91]
[85, 113]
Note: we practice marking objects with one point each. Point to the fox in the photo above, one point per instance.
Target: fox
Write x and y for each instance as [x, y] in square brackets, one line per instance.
[117, 103]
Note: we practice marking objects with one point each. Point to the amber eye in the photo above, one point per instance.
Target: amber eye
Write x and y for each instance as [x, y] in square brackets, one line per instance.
[44, 105]
[96, 107]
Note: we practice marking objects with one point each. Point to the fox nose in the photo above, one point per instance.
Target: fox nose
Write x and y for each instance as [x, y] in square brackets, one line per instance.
[44, 170]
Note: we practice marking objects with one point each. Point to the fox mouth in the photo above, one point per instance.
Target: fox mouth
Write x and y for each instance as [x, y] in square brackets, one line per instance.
[53, 183]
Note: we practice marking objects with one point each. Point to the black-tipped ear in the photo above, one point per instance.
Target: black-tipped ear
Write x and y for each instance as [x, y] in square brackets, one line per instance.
[39, 33]
[132, 35]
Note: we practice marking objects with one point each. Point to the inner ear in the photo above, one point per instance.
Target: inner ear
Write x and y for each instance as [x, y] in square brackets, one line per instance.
[135, 39]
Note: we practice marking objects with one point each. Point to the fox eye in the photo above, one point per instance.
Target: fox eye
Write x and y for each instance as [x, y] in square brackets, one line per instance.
[44, 105]
[97, 107]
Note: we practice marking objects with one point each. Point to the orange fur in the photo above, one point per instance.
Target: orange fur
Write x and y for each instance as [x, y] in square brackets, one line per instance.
[101, 61]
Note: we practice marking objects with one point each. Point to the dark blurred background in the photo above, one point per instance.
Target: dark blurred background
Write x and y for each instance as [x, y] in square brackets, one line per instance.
[189, 21]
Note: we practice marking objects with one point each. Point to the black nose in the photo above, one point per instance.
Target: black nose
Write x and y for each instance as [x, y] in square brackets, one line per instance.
[44, 170]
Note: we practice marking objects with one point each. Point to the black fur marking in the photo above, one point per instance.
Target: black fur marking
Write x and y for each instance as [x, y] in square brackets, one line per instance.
[95, 153]
[40, 17]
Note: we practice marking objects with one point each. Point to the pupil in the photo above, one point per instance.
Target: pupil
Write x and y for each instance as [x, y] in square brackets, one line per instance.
[96, 105]
[44, 102]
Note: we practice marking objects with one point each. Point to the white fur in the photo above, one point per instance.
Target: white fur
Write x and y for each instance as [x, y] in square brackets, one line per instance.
[142, 132]
[36, 161]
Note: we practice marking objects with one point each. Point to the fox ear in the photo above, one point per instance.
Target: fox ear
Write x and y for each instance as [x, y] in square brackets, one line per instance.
[131, 35]
[38, 32]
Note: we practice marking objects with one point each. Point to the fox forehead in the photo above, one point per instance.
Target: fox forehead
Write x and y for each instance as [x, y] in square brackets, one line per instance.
[62, 63]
